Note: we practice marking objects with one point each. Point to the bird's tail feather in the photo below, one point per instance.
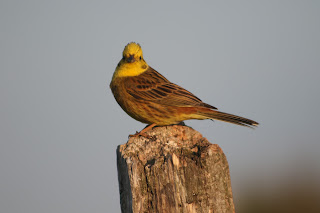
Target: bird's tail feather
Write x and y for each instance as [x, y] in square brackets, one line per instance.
[222, 116]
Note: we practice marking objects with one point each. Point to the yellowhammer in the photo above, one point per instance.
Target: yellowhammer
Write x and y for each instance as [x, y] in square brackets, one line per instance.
[149, 97]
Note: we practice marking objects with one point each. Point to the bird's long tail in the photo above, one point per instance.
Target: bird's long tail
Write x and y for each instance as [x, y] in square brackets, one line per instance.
[222, 116]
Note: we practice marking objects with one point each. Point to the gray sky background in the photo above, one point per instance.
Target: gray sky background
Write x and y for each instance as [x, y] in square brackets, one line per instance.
[59, 122]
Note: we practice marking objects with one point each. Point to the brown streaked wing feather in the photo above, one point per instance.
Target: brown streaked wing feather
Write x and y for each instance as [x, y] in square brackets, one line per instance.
[152, 86]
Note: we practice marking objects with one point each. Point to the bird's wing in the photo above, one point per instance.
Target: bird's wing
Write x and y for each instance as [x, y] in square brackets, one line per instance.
[152, 86]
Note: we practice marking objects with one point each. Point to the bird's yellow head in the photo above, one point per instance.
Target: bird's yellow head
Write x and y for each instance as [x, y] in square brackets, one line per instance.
[132, 62]
[132, 52]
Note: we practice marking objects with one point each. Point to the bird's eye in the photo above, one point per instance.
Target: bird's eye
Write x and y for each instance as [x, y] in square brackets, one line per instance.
[140, 57]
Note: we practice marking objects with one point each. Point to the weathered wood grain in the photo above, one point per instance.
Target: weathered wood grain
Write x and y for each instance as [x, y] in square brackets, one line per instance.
[177, 170]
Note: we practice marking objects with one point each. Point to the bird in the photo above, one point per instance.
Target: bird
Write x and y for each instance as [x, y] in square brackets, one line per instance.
[149, 97]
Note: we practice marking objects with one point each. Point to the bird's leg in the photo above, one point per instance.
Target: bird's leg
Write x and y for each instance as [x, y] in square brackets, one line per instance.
[142, 132]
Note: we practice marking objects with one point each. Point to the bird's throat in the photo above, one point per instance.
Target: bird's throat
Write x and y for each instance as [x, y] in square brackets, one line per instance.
[129, 69]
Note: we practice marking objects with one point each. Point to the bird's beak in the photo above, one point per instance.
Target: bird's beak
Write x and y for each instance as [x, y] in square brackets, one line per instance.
[131, 59]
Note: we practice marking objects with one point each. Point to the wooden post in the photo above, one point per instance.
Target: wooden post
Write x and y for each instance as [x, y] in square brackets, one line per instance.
[177, 170]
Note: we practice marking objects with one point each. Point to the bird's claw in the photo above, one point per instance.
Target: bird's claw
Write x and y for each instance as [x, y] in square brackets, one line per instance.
[137, 134]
